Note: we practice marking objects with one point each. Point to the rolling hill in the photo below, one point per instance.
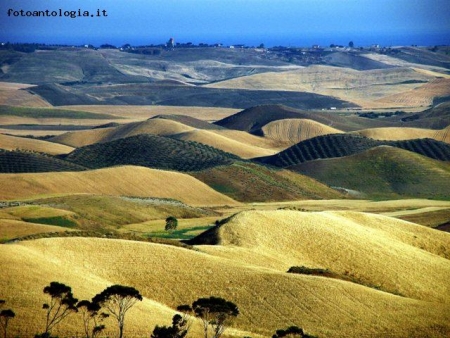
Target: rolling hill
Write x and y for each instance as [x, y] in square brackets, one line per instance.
[150, 151]
[296, 130]
[383, 172]
[397, 133]
[369, 88]
[249, 182]
[30, 162]
[254, 119]
[117, 181]
[236, 142]
[8, 142]
[390, 261]
[339, 145]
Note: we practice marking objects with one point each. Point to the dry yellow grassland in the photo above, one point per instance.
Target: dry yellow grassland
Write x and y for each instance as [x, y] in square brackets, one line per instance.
[123, 181]
[34, 211]
[359, 244]
[20, 143]
[394, 133]
[140, 113]
[87, 137]
[25, 132]
[419, 95]
[296, 130]
[83, 138]
[389, 60]
[237, 142]
[12, 95]
[249, 267]
[11, 228]
[369, 89]
[12, 224]
[227, 143]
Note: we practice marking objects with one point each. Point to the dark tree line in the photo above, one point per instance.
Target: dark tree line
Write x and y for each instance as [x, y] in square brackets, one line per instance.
[215, 313]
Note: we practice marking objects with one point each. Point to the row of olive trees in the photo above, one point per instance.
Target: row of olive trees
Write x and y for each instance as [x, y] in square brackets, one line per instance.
[215, 313]
[116, 300]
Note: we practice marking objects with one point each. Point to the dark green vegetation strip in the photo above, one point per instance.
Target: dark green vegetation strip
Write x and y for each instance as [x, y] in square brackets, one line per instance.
[107, 235]
[52, 113]
[151, 151]
[184, 234]
[303, 270]
[339, 145]
[30, 162]
[57, 220]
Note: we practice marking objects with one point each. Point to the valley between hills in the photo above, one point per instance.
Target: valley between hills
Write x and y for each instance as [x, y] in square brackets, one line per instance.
[267, 160]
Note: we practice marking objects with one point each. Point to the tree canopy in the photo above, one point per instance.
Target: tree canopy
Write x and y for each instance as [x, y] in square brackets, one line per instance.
[216, 313]
[62, 303]
[171, 223]
[117, 300]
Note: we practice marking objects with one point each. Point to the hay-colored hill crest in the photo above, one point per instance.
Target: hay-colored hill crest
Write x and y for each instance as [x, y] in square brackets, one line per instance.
[123, 181]
[161, 127]
[397, 133]
[398, 256]
[8, 142]
[296, 130]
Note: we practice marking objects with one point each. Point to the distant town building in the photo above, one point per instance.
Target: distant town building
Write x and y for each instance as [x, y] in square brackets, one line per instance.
[171, 43]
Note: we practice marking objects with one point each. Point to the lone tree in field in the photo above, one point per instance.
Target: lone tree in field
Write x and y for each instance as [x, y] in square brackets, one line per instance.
[215, 313]
[180, 325]
[92, 317]
[118, 299]
[62, 303]
[171, 223]
[5, 316]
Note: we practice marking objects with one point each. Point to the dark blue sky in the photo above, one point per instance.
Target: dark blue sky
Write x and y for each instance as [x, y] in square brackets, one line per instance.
[272, 22]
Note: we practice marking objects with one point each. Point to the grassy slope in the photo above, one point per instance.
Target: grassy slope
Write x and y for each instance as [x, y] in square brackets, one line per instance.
[397, 133]
[51, 113]
[151, 151]
[255, 118]
[364, 88]
[236, 142]
[296, 130]
[127, 180]
[26, 162]
[249, 267]
[384, 172]
[248, 182]
[98, 213]
[8, 142]
[340, 145]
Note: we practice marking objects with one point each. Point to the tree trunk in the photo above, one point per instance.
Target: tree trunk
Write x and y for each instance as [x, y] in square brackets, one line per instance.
[120, 330]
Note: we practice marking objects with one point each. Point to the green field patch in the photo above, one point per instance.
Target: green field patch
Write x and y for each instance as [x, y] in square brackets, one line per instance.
[186, 233]
[56, 220]
[52, 113]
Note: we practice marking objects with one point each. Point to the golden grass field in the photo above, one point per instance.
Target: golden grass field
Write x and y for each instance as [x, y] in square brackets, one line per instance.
[19, 143]
[12, 95]
[139, 113]
[406, 133]
[296, 130]
[369, 89]
[249, 267]
[233, 141]
[125, 181]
